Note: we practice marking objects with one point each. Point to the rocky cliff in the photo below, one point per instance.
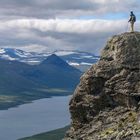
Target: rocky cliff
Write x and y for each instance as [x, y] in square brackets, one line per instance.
[106, 103]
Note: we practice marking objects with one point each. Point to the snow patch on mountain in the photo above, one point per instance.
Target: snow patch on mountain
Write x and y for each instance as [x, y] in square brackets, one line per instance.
[2, 51]
[83, 63]
[62, 53]
[7, 57]
[74, 64]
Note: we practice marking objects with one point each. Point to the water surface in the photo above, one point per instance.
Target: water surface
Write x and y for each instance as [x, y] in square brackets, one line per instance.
[37, 117]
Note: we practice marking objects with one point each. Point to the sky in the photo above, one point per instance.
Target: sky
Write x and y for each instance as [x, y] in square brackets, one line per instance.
[49, 25]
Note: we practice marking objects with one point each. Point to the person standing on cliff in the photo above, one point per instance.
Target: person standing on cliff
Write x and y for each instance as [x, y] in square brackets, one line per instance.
[132, 20]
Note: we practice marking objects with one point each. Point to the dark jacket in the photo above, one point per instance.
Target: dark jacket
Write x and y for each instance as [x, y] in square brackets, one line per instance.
[132, 18]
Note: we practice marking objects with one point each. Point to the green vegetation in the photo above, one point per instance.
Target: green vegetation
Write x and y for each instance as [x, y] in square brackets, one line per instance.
[55, 90]
[14, 99]
[126, 126]
[7, 101]
[52, 135]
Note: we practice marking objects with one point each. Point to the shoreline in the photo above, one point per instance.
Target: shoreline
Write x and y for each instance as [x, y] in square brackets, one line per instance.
[56, 134]
[25, 99]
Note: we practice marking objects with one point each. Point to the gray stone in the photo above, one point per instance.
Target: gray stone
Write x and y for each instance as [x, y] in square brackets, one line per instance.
[105, 104]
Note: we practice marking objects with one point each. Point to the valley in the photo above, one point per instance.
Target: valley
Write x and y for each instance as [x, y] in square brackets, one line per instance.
[22, 83]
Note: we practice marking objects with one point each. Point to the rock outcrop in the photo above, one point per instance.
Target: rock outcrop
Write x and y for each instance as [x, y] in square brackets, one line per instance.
[106, 103]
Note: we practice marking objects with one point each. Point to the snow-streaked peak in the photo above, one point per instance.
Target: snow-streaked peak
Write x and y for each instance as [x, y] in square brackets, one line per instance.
[63, 52]
[83, 63]
[70, 52]
[72, 57]
[74, 64]
[7, 57]
[2, 51]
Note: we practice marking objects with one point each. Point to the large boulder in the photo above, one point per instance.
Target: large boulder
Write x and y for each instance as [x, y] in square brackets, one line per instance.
[110, 88]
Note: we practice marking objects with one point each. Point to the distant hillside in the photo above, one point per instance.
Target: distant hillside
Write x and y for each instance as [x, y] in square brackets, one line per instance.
[78, 59]
[52, 135]
[52, 73]
[51, 77]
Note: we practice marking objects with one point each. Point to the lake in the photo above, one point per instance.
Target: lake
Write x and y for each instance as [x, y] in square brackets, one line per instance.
[39, 116]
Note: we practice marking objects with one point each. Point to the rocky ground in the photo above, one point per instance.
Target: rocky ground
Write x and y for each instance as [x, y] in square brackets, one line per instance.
[106, 103]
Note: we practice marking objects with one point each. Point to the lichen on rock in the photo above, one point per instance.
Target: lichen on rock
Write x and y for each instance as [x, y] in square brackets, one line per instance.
[106, 103]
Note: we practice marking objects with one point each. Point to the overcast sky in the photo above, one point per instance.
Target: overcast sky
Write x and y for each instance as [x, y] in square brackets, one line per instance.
[48, 25]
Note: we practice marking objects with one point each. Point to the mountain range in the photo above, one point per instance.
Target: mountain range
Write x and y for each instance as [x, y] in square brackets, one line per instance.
[78, 59]
[27, 76]
[52, 73]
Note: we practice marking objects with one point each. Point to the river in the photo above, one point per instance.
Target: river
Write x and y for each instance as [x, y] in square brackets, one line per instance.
[39, 116]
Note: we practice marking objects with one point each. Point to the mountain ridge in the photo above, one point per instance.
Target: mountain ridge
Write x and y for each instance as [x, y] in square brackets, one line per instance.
[54, 59]
[78, 59]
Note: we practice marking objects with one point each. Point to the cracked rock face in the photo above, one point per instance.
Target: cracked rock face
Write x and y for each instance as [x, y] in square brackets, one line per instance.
[110, 84]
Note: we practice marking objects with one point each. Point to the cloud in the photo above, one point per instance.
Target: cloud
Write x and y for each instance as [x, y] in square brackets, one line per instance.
[40, 35]
[64, 8]
[64, 25]
[46, 25]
